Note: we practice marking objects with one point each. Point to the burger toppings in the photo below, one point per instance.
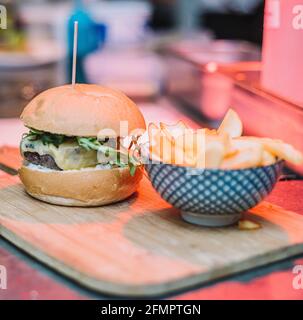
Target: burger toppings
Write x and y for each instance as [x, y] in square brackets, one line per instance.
[45, 137]
[61, 152]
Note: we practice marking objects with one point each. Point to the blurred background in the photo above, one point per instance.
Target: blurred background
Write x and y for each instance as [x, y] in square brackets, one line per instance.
[176, 58]
[126, 44]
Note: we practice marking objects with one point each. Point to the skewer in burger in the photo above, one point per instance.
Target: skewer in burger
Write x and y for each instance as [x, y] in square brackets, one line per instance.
[72, 154]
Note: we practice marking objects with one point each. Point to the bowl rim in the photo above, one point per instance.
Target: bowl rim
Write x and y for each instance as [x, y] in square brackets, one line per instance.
[278, 162]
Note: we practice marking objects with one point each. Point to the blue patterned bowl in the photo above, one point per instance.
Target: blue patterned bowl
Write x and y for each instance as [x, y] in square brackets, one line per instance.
[213, 197]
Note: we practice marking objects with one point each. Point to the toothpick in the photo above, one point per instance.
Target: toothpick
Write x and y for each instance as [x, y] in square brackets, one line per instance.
[75, 53]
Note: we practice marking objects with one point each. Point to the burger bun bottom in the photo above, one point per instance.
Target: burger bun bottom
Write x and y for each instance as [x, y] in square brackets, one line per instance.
[80, 188]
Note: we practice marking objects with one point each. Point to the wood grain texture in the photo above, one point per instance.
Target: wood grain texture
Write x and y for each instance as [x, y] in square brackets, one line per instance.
[25, 282]
[141, 247]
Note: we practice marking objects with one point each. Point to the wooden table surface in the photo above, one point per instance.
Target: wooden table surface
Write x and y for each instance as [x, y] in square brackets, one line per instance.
[29, 279]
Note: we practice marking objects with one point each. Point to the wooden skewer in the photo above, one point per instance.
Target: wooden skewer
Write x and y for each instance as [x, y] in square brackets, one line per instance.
[75, 53]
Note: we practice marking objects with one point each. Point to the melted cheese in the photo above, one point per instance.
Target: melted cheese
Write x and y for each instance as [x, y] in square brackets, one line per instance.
[68, 156]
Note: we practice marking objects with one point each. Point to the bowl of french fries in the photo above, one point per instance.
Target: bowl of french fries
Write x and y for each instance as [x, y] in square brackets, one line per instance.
[213, 176]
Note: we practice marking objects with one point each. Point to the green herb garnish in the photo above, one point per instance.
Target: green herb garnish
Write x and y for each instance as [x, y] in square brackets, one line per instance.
[45, 137]
[117, 157]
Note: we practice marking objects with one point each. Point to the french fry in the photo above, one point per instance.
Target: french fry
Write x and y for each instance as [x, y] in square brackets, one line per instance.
[279, 149]
[171, 127]
[175, 130]
[240, 144]
[214, 154]
[161, 147]
[267, 158]
[154, 134]
[168, 135]
[283, 151]
[202, 150]
[186, 141]
[248, 225]
[231, 125]
[248, 155]
[211, 132]
[225, 139]
[152, 128]
[192, 143]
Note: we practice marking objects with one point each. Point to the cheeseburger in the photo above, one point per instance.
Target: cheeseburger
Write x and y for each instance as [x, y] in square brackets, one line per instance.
[72, 152]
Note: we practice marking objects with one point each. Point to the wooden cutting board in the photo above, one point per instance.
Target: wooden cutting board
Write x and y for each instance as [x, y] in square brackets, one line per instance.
[141, 247]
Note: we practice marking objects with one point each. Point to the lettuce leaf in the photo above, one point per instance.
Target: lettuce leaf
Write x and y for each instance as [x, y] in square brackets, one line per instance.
[116, 157]
[46, 138]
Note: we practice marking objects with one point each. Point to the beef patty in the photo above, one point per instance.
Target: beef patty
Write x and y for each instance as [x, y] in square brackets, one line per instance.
[44, 160]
